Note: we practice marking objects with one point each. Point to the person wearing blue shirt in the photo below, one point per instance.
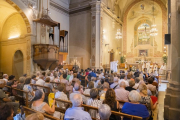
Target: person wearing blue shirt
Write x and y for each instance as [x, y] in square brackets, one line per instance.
[92, 74]
[76, 112]
[134, 107]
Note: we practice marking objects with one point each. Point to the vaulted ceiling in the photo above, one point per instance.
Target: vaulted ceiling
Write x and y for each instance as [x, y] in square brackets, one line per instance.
[6, 10]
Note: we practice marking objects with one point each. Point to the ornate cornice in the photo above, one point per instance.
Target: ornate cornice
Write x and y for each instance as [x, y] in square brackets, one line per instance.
[58, 7]
[22, 39]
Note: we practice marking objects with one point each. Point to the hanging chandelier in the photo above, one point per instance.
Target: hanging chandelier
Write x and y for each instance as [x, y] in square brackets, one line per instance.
[118, 34]
[153, 31]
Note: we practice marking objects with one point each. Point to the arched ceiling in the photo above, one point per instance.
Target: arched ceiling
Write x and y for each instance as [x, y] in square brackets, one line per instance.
[6, 10]
[124, 4]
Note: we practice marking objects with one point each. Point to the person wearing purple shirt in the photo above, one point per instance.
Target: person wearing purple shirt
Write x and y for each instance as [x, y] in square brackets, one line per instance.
[134, 108]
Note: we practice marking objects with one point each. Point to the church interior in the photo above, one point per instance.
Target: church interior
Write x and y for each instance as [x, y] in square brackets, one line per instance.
[91, 41]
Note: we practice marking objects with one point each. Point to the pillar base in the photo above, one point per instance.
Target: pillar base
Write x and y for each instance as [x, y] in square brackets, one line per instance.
[172, 102]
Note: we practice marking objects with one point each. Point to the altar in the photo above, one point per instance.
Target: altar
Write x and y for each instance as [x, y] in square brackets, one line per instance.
[136, 65]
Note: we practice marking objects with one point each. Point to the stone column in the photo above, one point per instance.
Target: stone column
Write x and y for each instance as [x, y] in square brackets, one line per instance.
[96, 35]
[172, 98]
[169, 46]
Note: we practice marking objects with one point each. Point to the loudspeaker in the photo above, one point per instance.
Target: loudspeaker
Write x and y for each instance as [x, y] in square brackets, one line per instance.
[167, 39]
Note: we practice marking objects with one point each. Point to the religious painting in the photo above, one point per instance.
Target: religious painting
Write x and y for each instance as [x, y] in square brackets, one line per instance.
[143, 34]
[143, 53]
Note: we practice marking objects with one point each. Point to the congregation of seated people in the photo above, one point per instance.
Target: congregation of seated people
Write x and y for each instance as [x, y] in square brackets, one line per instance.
[125, 92]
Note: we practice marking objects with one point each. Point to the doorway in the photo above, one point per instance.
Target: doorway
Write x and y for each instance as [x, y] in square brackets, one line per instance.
[18, 64]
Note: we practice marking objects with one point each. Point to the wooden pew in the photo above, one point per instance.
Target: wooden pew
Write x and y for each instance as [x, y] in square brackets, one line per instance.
[44, 87]
[87, 108]
[55, 83]
[34, 111]
[18, 96]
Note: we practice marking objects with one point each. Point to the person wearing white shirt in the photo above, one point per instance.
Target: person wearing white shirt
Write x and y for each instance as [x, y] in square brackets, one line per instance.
[71, 77]
[90, 86]
[162, 69]
[5, 77]
[122, 78]
[40, 81]
[61, 95]
[96, 82]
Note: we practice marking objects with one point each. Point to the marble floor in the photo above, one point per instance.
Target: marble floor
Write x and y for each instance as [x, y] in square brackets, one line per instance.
[159, 112]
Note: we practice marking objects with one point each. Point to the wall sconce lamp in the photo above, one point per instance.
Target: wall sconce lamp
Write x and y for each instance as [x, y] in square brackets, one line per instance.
[165, 49]
[119, 53]
[118, 48]
[106, 45]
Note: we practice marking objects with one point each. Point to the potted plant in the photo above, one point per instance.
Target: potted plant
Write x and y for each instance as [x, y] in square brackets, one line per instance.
[123, 59]
[164, 59]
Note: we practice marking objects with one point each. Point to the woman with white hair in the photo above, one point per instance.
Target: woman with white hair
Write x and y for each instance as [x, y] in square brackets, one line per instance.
[134, 107]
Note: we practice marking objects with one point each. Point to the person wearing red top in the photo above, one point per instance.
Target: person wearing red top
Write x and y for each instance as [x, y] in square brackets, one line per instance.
[87, 72]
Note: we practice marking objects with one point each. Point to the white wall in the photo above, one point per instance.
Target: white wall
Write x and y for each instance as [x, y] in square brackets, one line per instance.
[80, 37]
[110, 29]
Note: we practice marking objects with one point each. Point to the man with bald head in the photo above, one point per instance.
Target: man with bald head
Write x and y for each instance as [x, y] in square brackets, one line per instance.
[121, 93]
[76, 112]
[77, 90]
[4, 99]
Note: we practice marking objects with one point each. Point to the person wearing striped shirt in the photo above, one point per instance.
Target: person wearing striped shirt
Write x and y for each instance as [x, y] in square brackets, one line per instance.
[93, 101]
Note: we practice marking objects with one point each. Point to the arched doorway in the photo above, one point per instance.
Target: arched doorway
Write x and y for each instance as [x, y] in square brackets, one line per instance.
[17, 69]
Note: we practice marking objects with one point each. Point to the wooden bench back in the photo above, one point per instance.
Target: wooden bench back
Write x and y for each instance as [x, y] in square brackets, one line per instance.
[27, 110]
[26, 99]
[44, 87]
[87, 108]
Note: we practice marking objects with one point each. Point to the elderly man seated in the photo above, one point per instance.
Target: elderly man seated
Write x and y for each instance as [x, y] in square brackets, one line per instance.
[77, 90]
[4, 99]
[115, 85]
[104, 112]
[121, 93]
[76, 112]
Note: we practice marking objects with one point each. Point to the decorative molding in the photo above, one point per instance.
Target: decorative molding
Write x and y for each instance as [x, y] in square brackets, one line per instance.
[58, 7]
[80, 10]
[15, 40]
[43, 30]
[110, 14]
[28, 67]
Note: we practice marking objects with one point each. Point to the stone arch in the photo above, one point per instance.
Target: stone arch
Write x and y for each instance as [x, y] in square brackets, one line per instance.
[18, 22]
[164, 22]
[18, 62]
[26, 20]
